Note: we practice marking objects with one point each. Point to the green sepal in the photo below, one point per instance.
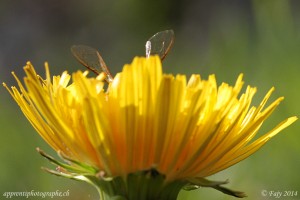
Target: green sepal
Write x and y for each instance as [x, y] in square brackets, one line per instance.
[195, 183]
[77, 168]
[81, 165]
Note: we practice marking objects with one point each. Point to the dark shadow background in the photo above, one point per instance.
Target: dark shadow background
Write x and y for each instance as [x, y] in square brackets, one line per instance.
[259, 38]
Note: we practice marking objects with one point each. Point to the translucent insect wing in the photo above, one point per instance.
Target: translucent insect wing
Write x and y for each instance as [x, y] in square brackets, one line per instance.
[161, 43]
[91, 59]
[87, 56]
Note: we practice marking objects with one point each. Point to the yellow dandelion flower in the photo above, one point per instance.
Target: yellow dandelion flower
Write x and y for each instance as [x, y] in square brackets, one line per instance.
[147, 129]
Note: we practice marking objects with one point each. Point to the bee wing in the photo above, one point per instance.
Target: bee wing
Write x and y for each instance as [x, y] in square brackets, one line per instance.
[91, 59]
[160, 43]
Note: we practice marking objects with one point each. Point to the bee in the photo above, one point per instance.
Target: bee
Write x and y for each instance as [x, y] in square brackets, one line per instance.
[160, 44]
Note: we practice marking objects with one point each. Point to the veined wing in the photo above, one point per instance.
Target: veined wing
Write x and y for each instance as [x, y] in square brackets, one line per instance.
[91, 59]
[160, 43]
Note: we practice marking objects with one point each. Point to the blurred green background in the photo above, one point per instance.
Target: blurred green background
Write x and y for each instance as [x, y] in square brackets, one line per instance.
[259, 38]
